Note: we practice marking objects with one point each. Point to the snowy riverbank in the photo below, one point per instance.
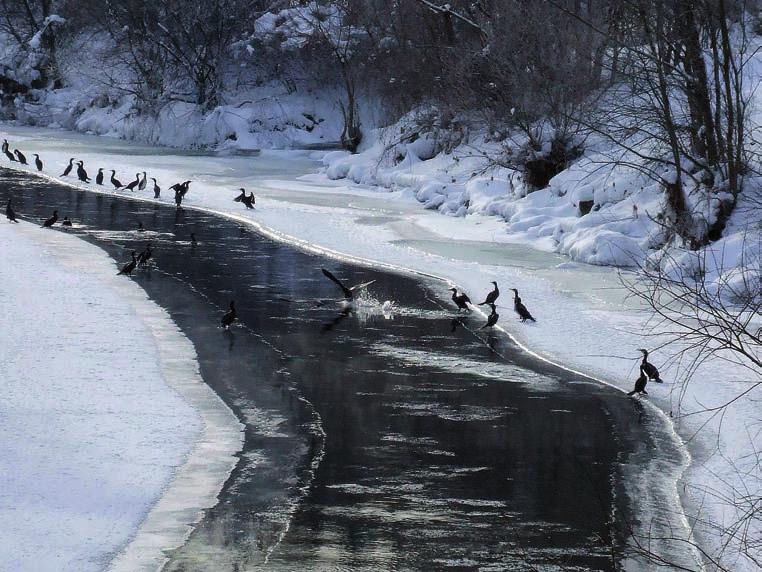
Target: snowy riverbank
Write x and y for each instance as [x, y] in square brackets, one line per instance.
[112, 443]
[585, 320]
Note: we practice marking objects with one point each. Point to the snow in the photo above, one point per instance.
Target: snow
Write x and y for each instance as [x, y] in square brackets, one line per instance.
[111, 443]
[585, 321]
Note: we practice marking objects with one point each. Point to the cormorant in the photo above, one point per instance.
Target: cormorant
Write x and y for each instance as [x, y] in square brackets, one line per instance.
[519, 307]
[81, 173]
[194, 242]
[37, 162]
[129, 267]
[7, 152]
[240, 197]
[114, 181]
[141, 228]
[492, 318]
[142, 184]
[492, 296]
[249, 201]
[461, 301]
[178, 197]
[99, 177]
[67, 170]
[145, 256]
[133, 184]
[51, 221]
[640, 384]
[10, 214]
[229, 317]
[156, 189]
[180, 189]
[66, 221]
[349, 293]
[649, 368]
[20, 156]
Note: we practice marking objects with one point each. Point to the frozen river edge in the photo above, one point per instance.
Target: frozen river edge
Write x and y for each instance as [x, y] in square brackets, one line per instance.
[194, 484]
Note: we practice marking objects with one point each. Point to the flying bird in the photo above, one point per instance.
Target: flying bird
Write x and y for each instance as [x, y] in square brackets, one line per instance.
[349, 292]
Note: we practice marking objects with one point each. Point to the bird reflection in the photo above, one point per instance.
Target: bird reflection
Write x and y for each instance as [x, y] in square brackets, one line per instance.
[328, 326]
[231, 339]
[454, 323]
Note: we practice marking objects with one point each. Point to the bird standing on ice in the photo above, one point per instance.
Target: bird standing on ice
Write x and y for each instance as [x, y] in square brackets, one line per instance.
[461, 300]
[640, 384]
[10, 214]
[519, 307]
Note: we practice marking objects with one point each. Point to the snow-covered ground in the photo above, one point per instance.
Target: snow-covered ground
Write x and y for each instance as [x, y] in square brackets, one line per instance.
[111, 444]
[584, 319]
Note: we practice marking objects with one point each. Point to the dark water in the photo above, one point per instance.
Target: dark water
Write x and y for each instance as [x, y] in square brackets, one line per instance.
[375, 439]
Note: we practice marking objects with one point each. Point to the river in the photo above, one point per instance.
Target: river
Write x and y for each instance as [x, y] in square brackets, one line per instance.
[377, 438]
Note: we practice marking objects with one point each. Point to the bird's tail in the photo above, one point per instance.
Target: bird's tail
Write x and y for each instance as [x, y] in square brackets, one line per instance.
[631, 393]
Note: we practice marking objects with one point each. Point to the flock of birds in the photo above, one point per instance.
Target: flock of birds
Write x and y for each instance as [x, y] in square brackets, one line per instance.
[647, 370]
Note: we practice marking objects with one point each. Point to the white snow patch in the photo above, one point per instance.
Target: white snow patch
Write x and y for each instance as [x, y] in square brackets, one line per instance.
[109, 434]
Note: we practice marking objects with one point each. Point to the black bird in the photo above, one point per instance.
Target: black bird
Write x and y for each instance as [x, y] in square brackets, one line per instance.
[461, 301]
[492, 318]
[156, 189]
[51, 221]
[519, 307]
[240, 197]
[249, 201]
[7, 152]
[99, 177]
[37, 162]
[194, 242]
[142, 184]
[229, 317]
[349, 293]
[649, 368]
[133, 184]
[10, 214]
[640, 384]
[20, 156]
[141, 228]
[145, 256]
[67, 170]
[130, 266]
[81, 173]
[66, 221]
[114, 181]
[492, 296]
[178, 198]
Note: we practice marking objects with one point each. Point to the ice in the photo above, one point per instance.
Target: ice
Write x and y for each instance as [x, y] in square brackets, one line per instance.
[585, 321]
[104, 429]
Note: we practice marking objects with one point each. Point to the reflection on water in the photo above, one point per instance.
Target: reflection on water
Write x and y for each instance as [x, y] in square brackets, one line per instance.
[376, 437]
